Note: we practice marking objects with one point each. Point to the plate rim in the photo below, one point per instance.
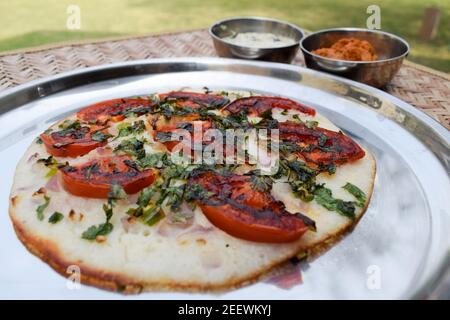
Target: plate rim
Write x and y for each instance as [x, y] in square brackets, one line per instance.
[15, 97]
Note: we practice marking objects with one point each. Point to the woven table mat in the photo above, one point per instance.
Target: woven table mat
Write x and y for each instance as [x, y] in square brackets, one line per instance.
[427, 89]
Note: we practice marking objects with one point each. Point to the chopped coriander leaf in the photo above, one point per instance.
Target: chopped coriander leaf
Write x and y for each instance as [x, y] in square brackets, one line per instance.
[302, 190]
[90, 169]
[153, 216]
[70, 124]
[324, 197]
[304, 173]
[132, 147]
[55, 217]
[100, 136]
[174, 196]
[130, 114]
[108, 209]
[322, 140]
[261, 183]
[39, 140]
[40, 209]
[145, 196]
[97, 230]
[50, 161]
[52, 164]
[164, 136]
[155, 160]
[196, 192]
[126, 128]
[357, 193]
[266, 114]
[138, 126]
[101, 229]
[116, 192]
[51, 172]
[311, 124]
[162, 193]
[330, 168]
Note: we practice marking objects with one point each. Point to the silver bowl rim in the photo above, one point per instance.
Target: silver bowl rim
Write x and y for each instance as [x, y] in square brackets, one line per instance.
[218, 22]
[403, 55]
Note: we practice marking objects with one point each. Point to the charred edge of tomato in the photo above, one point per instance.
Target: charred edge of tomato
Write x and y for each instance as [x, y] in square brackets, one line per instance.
[261, 104]
[343, 148]
[274, 212]
[197, 98]
[71, 150]
[114, 109]
[96, 182]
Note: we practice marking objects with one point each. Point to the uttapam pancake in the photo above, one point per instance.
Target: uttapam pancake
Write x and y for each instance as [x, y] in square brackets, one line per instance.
[121, 243]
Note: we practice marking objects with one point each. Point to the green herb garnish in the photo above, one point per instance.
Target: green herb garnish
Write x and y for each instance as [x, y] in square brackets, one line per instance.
[357, 193]
[132, 147]
[324, 197]
[100, 136]
[311, 124]
[70, 124]
[40, 209]
[116, 192]
[261, 183]
[126, 129]
[55, 217]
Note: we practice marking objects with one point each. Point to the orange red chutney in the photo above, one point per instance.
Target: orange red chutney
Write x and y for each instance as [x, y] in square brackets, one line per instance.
[350, 49]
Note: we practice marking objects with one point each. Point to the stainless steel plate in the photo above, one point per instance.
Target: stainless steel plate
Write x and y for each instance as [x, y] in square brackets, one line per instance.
[398, 250]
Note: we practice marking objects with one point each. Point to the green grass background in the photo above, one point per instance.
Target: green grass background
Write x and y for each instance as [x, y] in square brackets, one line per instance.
[28, 23]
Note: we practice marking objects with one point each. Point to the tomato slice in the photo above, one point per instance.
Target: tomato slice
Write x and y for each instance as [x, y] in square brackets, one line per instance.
[259, 105]
[319, 145]
[161, 124]
[93, 179]
[194, 99]
[115, 109]
[73, 142]
[244, 212]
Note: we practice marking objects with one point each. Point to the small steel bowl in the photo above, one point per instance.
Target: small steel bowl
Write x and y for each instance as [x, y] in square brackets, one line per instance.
[391, 51]
[284, 54]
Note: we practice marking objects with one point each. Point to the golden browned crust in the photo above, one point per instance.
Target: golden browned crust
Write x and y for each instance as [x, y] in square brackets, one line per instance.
[49, 252]
[14, 201]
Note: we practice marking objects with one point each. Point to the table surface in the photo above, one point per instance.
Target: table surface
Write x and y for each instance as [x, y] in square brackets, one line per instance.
[424, 88]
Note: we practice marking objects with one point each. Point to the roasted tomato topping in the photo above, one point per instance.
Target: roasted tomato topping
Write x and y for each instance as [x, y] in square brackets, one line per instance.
[320, 146]
[163, 127]
[163, 124]
[242, 211]
[114, 110]
[74, 142]
[194, 100]
[93, 179]
[165, 133]
[256, 106]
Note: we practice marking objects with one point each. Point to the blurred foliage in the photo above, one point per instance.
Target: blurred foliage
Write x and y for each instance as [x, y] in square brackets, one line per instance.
[27, 23]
